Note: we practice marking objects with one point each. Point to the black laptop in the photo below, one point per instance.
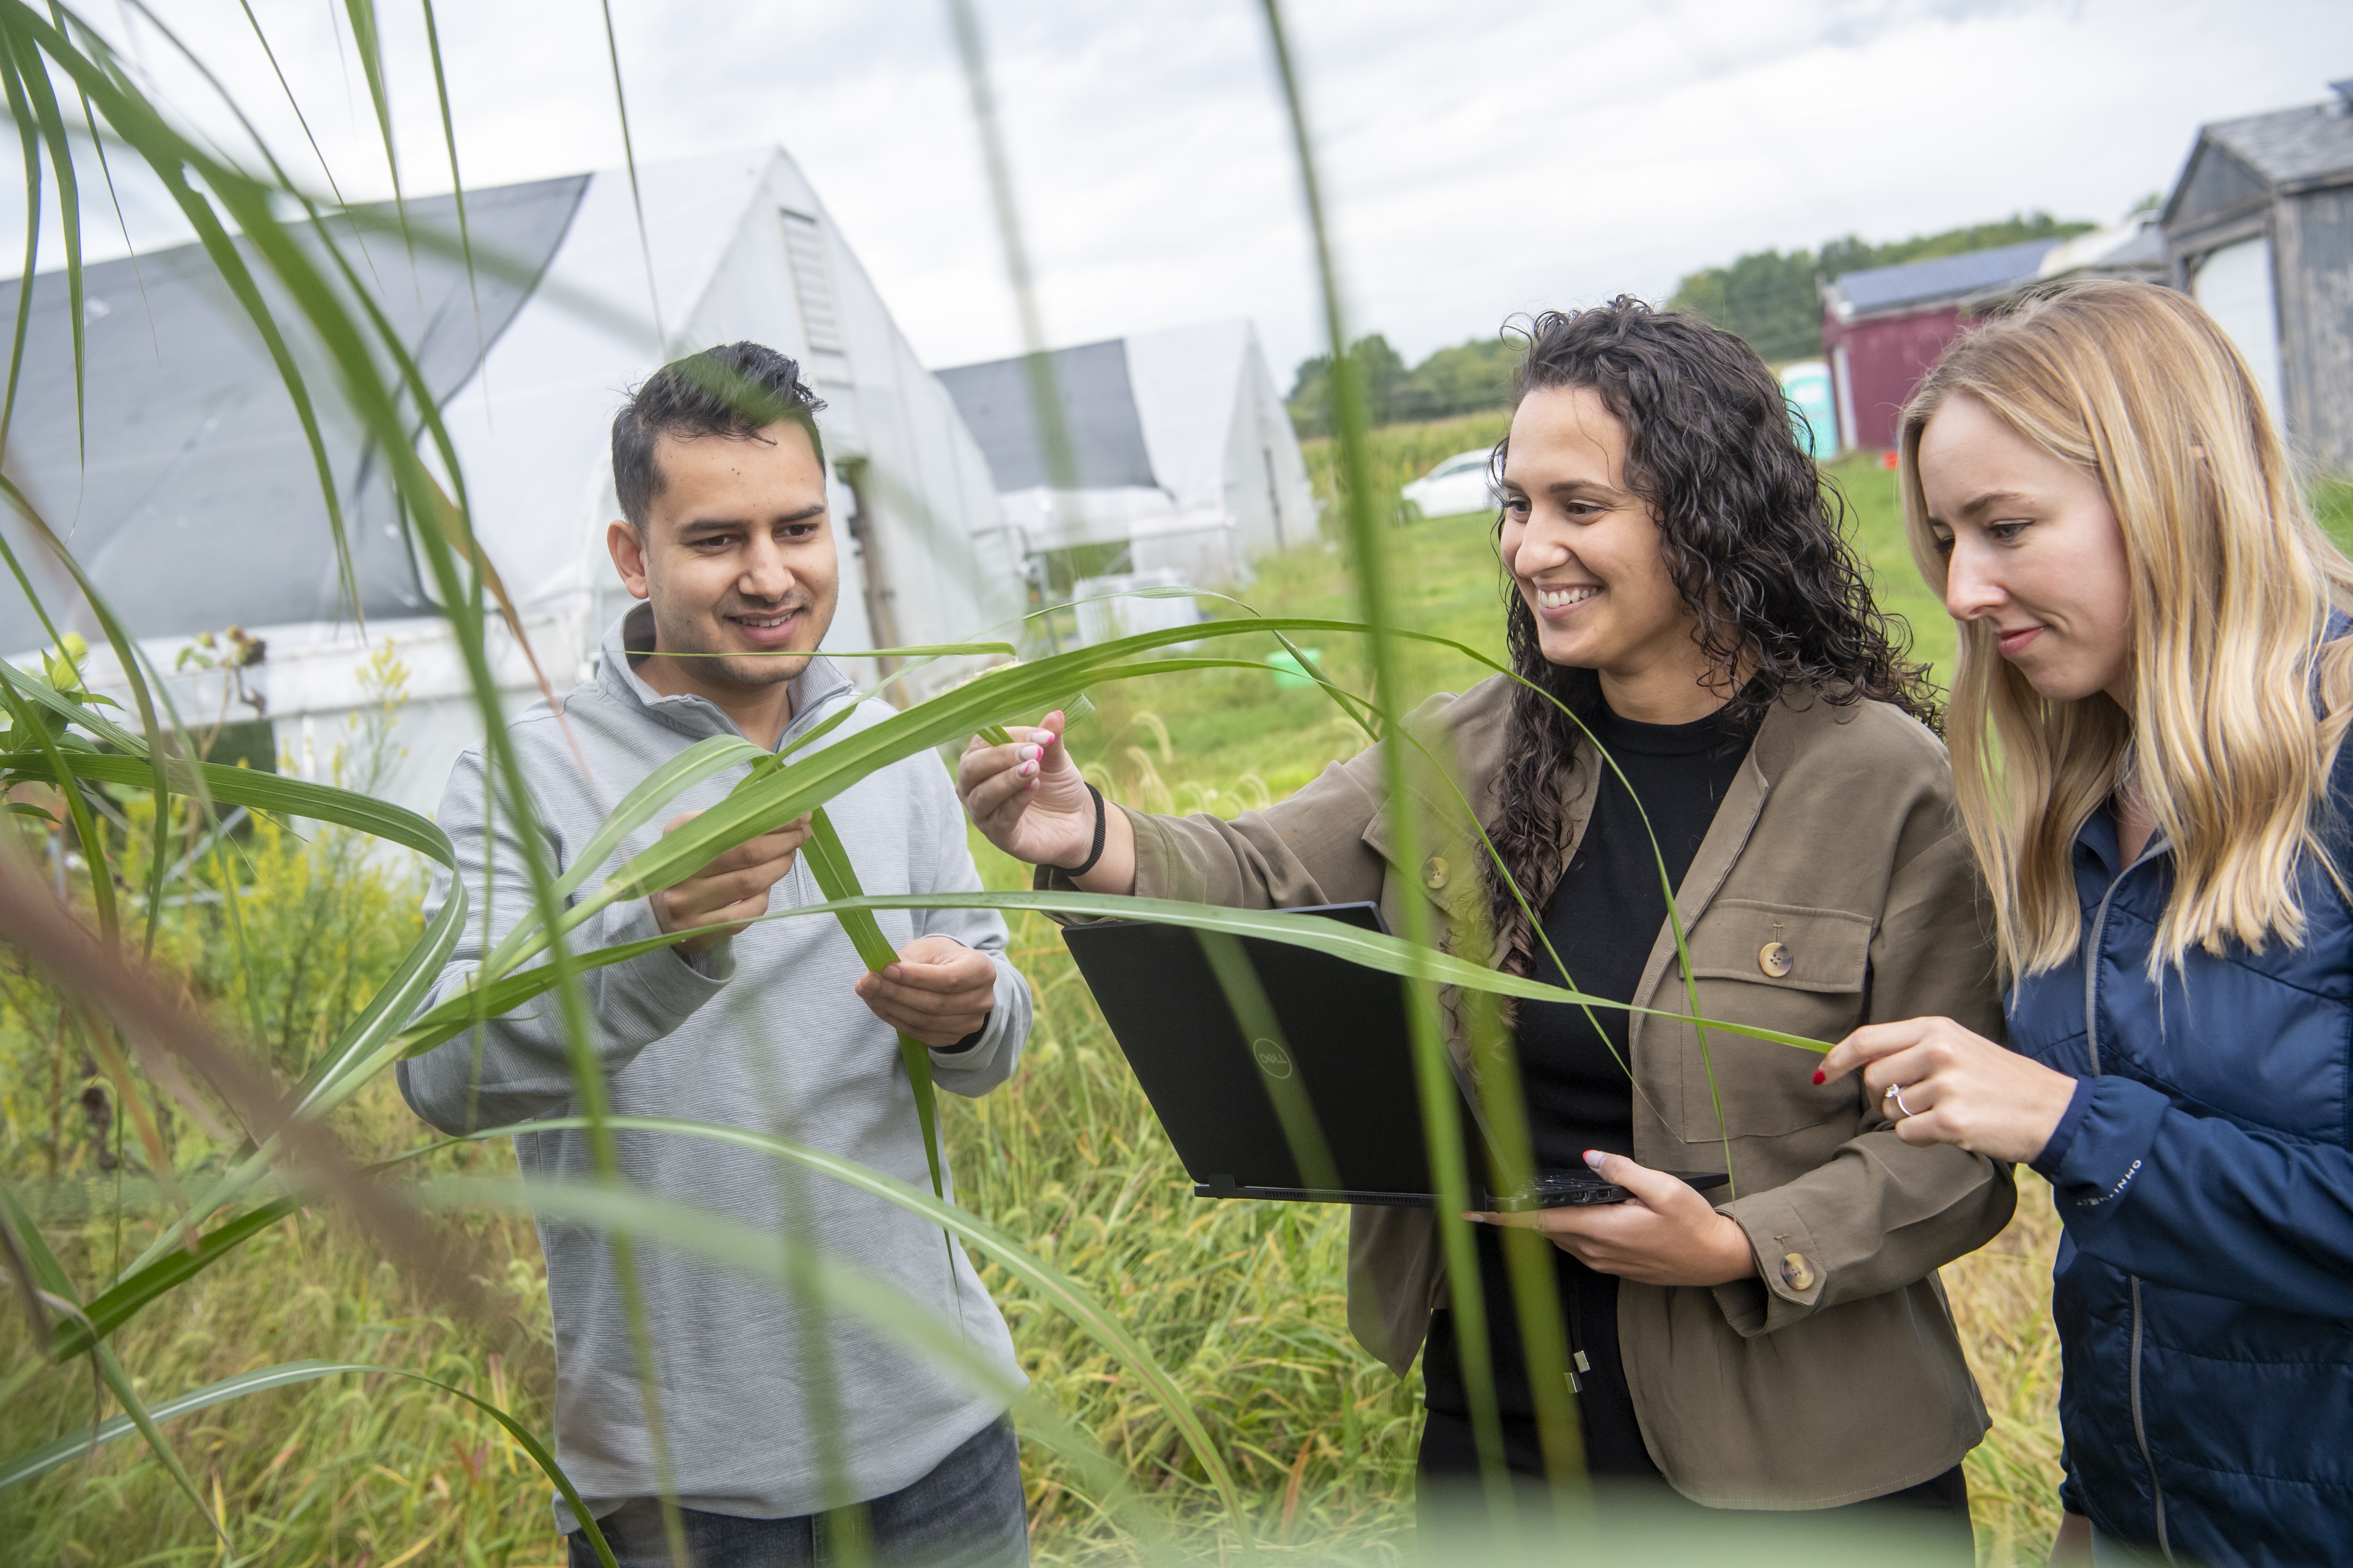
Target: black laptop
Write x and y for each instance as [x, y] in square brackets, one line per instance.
[1315, 1102]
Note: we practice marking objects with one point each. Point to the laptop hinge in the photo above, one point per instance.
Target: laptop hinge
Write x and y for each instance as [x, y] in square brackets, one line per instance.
[1218, 1185]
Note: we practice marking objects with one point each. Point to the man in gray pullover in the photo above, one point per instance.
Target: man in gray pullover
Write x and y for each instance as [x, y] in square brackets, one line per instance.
[767, 1414]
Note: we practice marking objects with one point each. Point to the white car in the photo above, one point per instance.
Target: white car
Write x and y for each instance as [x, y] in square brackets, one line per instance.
[1456, 486]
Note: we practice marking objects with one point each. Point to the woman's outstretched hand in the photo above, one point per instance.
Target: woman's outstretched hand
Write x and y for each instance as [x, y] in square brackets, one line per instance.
[1939, 1083]
[1027, 798]
[1666, 1234]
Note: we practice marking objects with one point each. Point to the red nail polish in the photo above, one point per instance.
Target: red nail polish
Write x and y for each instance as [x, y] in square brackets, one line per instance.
[1820, 1077]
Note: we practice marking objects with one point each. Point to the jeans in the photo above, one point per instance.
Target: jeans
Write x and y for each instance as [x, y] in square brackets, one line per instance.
[968, 1513]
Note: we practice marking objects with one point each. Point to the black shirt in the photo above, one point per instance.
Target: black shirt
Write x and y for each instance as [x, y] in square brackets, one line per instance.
[1603, 918]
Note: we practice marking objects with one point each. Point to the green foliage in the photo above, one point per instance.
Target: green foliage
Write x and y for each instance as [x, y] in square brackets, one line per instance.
[1465, 379]
[1774, 300]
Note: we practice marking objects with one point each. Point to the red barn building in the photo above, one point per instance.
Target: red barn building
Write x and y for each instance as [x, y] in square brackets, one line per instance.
[1885, 326]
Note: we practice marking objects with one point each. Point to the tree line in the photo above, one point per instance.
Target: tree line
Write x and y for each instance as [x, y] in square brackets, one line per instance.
[1770, 298]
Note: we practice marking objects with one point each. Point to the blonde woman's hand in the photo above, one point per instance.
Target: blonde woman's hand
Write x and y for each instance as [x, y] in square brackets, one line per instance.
[1666, 1234]
[1939, 1083]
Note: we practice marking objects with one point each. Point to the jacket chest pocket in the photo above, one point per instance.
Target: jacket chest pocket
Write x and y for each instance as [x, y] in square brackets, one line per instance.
[1775, 966]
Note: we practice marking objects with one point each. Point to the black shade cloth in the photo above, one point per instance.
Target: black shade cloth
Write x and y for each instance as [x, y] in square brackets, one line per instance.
[199, 505]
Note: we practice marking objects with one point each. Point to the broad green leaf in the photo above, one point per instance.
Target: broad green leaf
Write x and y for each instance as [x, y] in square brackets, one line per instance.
[837, 878]
[1374, 949]
[111, 1309]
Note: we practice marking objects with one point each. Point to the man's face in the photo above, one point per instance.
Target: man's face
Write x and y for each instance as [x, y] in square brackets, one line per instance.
[736, 556]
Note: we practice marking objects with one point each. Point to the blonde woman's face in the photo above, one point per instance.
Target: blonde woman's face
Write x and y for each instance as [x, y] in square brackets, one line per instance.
[2032, 549]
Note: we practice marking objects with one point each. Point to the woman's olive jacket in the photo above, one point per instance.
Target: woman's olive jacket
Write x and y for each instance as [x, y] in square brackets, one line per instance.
[1834, 888]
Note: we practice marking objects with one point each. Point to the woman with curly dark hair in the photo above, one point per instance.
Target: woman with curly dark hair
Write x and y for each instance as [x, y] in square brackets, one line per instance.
[1680, 596]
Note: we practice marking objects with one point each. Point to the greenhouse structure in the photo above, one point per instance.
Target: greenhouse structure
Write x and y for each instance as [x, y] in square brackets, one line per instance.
[194, 504]
[1179, 467]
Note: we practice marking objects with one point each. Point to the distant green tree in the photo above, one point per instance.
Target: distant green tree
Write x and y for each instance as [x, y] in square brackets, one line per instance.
[1773, 300]
[1468, 378]
[1381, 367]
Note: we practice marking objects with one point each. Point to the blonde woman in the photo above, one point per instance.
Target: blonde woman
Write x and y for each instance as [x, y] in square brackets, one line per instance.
[2145, 723]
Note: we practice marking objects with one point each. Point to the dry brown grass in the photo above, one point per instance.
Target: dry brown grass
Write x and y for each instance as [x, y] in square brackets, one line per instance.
[2001, 1302]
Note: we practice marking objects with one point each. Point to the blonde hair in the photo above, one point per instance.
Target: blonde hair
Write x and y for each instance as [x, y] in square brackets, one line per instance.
[2231, 588]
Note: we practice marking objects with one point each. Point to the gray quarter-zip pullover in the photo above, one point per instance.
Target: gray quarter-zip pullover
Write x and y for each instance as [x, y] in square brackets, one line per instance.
[761, 1031]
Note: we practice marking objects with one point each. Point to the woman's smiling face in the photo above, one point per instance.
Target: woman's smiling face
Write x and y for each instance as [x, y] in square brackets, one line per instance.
[1584, 553]
[2032, 549]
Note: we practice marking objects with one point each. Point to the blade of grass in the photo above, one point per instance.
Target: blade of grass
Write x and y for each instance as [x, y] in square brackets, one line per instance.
[1373, 950]
[456, 183]
[326, 172]
[837, 879]
[38, 1461]
[128, 658]
[28, 139]
[51, 1276]
[371, 52]
[637, 197]
[34, 77]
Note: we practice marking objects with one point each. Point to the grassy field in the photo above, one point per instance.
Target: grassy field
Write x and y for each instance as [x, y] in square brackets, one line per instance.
[1243, 1302]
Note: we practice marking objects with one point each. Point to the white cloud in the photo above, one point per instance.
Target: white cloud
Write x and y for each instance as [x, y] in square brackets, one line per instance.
[1483, 157]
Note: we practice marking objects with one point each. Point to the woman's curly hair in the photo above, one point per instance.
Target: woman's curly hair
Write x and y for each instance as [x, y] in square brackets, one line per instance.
[1755, 538]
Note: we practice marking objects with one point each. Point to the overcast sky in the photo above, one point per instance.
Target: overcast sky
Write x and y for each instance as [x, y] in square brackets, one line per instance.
[1483, 157]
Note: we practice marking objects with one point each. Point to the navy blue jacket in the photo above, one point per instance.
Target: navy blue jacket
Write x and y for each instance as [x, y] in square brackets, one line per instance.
[2204, 1287]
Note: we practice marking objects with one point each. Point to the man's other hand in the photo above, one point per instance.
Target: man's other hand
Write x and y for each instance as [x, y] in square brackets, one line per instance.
[733, 889]
[939, 990]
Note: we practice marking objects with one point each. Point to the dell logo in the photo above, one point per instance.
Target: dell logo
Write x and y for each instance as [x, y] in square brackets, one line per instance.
[1272, 1059]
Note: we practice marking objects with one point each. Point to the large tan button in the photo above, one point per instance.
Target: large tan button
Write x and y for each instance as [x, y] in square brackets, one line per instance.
[1774, 959]
[1797, 1272]
[1433, 872]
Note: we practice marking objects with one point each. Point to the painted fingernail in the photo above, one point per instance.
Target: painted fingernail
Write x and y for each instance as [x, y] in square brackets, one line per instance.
[1820, 1077]
[1029, 768]
[1029, 753]
[1593, 1158]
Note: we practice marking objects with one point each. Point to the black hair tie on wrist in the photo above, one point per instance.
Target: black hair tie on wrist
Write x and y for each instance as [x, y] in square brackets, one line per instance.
[1094, 854]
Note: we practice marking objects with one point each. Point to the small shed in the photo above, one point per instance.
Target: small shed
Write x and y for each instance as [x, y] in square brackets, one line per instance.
[1884, 327]
[1181, 464]
[198, 507]
[2260, 225]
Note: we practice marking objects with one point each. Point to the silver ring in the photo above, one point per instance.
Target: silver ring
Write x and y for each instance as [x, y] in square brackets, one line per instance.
[1895, 1093]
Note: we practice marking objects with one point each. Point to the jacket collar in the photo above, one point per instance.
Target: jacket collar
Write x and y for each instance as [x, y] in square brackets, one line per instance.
[1789, 725]
[817, 688]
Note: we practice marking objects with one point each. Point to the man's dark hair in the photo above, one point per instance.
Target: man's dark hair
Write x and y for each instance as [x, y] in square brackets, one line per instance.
[737, 390]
